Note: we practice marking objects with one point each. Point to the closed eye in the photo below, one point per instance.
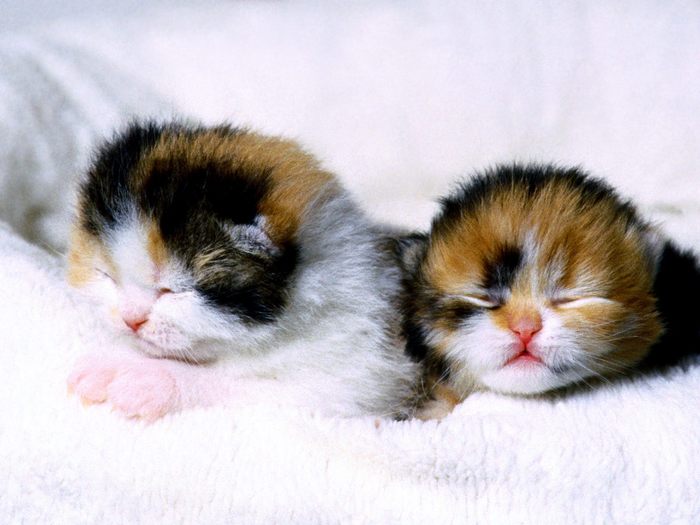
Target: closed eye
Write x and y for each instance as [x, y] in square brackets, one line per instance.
[104, 274]
[176, 289]
[579, 302]
[480, 301]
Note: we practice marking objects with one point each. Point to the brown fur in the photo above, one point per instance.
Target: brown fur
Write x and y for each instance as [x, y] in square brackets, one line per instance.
[84, 255]
[297, 180]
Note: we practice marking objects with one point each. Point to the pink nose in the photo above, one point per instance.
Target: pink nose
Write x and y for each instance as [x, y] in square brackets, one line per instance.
[526, 327]
[135, 322]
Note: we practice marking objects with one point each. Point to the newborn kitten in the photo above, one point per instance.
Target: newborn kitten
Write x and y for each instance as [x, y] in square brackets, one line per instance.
[237, 258]
[533, 278]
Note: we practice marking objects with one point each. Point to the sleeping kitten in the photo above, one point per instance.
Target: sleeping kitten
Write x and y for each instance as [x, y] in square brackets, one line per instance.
[234, 270]
[533, 278]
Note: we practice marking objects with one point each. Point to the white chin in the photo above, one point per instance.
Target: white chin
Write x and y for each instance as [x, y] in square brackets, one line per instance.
[533, 378]
[154, 350]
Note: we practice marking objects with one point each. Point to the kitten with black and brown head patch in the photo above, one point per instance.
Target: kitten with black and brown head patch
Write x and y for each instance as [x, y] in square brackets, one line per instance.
[534, 278]
[233, 269]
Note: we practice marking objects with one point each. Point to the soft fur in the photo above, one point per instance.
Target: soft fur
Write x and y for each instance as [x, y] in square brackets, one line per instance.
[624, 453]
[397, 98]
[236, 256]
[537, 277]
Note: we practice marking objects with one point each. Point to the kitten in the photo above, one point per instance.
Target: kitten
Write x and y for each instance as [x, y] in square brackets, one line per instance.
[533, 278]
[234, 270]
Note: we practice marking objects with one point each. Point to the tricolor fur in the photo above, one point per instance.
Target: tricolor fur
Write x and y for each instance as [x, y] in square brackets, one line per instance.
[535, 277]
[237, 253]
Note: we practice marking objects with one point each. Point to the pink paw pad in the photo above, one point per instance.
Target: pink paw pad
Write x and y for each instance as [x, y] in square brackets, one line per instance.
[134, 387]
[147, 392]
[90, 378]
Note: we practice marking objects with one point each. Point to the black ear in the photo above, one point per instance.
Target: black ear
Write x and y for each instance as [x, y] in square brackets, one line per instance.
[410, 250]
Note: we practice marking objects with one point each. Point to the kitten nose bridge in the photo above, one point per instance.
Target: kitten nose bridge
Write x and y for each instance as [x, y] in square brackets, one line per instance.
[135, 308]
[525, 325]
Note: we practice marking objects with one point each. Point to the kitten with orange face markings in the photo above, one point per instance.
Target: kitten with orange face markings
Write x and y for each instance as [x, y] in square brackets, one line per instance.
[233, 270]
[534, 278]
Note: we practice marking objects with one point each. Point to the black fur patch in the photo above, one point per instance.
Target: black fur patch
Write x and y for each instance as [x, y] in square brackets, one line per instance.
[677, 289]
[500, 272]
[262, 298]
[180, 195]
[104, 195]
[416, 346]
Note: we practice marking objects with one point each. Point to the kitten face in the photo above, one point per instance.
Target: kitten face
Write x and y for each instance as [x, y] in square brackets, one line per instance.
[534, 278]
[186, 237]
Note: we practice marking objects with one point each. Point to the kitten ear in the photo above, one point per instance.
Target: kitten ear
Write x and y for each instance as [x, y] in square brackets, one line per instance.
[252, 238]
[654, 244]
[410, 249]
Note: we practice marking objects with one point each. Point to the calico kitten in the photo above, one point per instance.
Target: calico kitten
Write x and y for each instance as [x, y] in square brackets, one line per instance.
[234, 270]
[535, 277]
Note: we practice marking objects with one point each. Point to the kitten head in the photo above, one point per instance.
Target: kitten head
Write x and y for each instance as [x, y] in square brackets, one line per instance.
[188, 236]
[533, 278]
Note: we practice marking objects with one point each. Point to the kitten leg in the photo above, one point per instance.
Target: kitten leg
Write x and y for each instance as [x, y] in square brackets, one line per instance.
[138, 386]
[442, 402]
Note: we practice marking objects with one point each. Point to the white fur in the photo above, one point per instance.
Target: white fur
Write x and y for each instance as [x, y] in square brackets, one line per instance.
[481, 350]
[620, 454]
[399, 99]
[334, 347]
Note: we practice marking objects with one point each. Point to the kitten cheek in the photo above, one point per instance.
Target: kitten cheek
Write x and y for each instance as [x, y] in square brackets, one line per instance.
[164, 340]
[599, 321]
[101, 292]
[479, 345]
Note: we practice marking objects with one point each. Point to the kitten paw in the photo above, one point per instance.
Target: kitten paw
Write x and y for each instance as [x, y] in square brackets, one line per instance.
[135, 388]
[90, 378]
[434, 409]
[147, 392]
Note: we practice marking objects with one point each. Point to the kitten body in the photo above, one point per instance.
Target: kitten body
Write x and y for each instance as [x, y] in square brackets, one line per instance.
[234, 270]
[533, 278]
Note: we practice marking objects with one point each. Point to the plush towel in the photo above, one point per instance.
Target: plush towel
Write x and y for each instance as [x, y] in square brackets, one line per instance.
[398, 99]
[627, 453]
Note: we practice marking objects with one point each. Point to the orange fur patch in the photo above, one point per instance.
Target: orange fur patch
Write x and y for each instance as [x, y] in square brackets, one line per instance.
[84, 255]
[155, 246]
[295, 178]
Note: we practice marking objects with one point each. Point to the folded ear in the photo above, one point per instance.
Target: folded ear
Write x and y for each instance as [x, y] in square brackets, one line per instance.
[252, 238]
[654, 245]
[410, 249]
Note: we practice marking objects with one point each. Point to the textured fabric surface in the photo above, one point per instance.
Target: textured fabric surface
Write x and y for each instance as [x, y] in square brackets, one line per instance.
[399, 100]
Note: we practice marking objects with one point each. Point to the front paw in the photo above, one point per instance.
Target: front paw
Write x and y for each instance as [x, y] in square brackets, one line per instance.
[135, 387]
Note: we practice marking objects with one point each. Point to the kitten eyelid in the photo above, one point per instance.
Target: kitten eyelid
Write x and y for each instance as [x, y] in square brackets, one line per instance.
[103, 273]
[478, 301]
[578, 302]
[172, 288]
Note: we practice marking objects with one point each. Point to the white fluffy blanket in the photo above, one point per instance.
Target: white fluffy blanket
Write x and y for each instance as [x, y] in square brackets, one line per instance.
[398, 99]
